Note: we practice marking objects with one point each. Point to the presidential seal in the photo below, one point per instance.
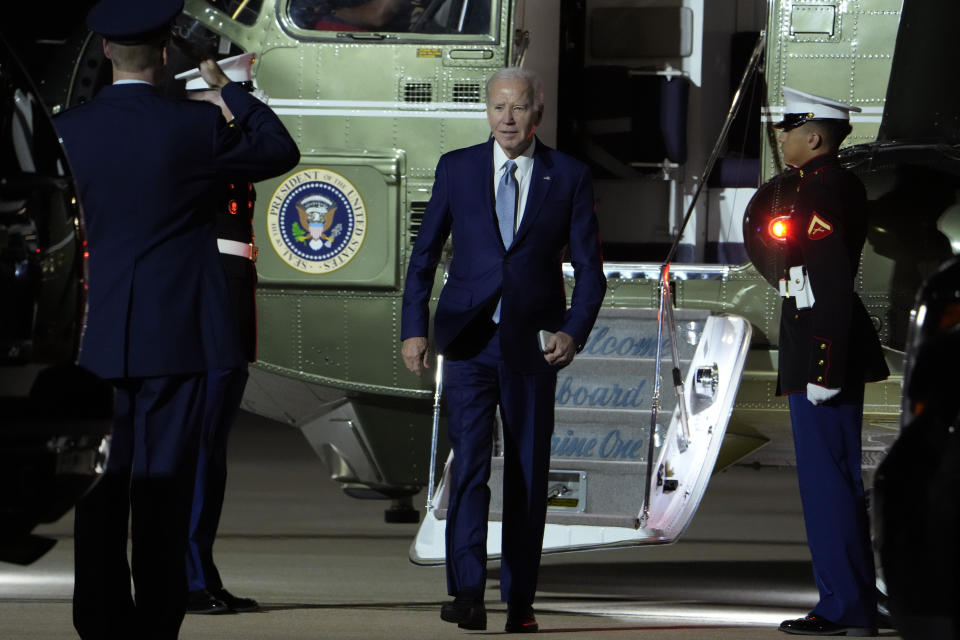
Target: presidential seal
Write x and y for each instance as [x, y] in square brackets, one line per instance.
[316, 220]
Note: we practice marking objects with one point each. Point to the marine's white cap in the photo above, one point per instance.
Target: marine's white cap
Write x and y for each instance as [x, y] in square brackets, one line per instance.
[802, 106]
[237, 68]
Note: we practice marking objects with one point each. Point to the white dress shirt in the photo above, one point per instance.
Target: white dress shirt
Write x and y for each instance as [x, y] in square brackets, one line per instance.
[522, 174]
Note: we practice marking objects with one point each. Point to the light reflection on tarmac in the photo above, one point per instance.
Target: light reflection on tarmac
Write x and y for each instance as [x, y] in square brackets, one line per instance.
[326, 566]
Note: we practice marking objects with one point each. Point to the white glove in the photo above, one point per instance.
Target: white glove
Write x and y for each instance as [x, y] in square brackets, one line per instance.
[818, 395]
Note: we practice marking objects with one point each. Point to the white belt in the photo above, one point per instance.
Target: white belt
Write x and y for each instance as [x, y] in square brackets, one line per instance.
[234, 248]
[799, 287]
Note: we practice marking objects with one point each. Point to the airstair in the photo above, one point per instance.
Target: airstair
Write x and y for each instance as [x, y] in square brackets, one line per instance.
[625, 469]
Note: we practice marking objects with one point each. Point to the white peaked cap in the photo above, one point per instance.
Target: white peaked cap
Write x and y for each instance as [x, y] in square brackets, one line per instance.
[237, 68]
[815, 107]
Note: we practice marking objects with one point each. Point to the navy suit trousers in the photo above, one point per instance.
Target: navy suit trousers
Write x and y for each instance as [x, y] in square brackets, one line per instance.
[473, 388]
[827, 441]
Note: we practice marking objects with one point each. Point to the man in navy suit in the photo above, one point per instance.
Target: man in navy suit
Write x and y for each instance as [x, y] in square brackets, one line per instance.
[514, 207]
[148, 170]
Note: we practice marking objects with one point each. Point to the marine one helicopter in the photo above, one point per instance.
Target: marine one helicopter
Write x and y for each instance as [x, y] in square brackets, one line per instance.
[641, 90]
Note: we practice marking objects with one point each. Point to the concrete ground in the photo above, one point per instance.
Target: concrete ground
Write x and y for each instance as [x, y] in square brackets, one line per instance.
[326, 566]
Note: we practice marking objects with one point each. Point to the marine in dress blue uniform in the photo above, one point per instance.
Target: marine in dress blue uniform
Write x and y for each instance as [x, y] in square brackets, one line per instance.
[147, 169]
[224, 392]
[513, 206]
[828, 350]
[234, 223]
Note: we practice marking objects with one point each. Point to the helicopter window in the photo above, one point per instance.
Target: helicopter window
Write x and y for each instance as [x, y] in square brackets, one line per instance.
[243, 11]
[394, 16]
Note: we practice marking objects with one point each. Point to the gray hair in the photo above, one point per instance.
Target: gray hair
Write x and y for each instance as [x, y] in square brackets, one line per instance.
[518, 73]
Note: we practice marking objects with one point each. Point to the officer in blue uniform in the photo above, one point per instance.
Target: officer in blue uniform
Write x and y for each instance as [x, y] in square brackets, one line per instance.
[828, 350]
[234, 226]
[148, 168]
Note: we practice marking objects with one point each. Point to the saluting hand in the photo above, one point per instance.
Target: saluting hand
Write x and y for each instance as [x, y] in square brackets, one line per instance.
[211, 72]
[560, 349]
[416, 354]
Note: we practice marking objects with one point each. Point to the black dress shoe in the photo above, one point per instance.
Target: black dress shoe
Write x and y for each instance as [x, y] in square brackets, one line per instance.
[467, 611]
[203, 601]
[521, 620]
[235, 603]
[884, 621]
[813, 625]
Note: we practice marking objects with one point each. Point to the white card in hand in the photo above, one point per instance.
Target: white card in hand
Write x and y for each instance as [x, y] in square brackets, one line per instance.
[542, 337]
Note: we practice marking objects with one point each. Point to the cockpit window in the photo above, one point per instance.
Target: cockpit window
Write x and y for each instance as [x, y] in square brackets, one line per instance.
[243, 11]
[394, 16]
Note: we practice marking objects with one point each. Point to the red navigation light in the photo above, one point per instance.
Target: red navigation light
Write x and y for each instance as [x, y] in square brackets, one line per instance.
[779, 228]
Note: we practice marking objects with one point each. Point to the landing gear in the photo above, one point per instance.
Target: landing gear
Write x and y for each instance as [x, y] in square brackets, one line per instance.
[401, 511]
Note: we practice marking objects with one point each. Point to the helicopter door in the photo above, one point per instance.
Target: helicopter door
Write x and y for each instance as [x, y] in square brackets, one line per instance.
[601, 456]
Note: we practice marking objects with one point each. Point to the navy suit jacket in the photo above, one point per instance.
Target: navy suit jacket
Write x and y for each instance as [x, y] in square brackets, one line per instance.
[148, 169]
[559, 213]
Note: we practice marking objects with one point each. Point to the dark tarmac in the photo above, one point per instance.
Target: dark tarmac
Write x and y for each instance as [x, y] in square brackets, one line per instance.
[326, 566]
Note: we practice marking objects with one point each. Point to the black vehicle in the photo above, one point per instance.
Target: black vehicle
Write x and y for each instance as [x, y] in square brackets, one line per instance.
[917, 486]
[54, 416]
[916, 496]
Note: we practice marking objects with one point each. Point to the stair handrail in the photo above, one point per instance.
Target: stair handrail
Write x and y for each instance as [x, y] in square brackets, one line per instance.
[665, 309]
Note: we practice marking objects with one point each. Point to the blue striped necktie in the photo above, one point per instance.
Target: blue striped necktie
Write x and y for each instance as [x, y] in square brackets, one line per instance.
[506, 212]
[507, 203]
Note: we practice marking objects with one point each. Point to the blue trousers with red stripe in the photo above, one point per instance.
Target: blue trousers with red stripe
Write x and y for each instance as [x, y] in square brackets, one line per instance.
[827, 442]
[224, 393]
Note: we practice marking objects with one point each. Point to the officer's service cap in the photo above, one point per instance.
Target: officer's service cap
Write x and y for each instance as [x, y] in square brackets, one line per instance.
[237, 68]
[802, 106]
[127, 22]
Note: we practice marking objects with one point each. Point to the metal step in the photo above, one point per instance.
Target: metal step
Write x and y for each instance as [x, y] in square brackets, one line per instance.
[603, 410]
[600, 453]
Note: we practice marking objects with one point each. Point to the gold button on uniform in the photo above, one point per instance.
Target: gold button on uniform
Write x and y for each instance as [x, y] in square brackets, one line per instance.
[823, 345]
[821, 363]
[819, 378]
